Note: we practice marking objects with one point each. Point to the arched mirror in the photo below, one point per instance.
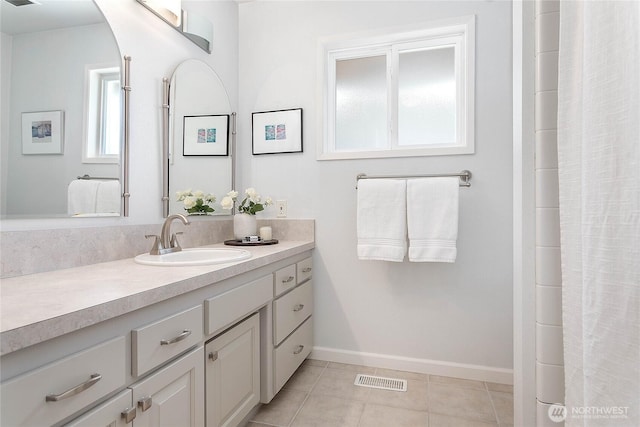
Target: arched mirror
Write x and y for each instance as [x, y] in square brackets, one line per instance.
[199, 141]
[62, 111]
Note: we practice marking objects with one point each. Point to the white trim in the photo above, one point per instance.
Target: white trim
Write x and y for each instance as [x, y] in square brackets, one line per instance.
[410, 364]
[524, 339]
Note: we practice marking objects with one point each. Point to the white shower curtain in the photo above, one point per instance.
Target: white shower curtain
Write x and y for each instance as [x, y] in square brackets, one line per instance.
[599, 175]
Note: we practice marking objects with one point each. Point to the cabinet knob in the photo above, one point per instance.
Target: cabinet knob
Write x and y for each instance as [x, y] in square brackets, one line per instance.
[145, 403]
[213, 356]
[128, 415]
[298, 349]
[298, 307]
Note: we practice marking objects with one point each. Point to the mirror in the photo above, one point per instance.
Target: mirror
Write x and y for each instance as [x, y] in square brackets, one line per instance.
[61, 99]
[199, 138]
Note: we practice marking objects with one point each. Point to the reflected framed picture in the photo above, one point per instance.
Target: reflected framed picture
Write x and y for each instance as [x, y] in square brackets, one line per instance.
[43, 132]
[277, 131]
[206, 135]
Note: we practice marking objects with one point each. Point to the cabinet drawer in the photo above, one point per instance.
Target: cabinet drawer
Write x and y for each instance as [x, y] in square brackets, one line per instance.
[108, 414]
[291, 353]
[154, 344]
[284, 279]
[291, 310]
[75, 381]
[304, 269]
[225, 309]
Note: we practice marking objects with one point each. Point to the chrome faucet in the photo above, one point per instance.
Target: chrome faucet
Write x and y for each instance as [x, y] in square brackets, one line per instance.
[167, 242]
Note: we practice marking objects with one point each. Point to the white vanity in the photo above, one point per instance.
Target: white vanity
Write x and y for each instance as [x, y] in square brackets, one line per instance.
[117, 343]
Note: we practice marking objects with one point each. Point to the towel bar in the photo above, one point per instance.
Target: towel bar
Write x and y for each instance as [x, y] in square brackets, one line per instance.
[465, 177]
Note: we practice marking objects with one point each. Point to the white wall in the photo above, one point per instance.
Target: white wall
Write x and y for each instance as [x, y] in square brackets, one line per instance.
[421, 316]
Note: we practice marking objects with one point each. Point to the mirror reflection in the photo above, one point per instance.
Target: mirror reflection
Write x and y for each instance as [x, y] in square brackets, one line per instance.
[61, 111]
[200, 146]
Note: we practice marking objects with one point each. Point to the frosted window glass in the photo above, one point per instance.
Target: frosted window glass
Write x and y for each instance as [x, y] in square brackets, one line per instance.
[361, 104]
[427, 97]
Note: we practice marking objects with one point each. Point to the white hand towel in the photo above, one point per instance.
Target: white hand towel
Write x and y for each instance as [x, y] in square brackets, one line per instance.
[432, 219]
[81, 196]
[108, 197]
[382, 220]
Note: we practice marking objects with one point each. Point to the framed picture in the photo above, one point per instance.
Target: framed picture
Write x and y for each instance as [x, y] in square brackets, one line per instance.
[206, 135]
[277, 131]
[43, 132]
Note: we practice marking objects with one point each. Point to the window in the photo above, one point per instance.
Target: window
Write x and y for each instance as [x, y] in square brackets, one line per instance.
[397, 94]
[102, 122]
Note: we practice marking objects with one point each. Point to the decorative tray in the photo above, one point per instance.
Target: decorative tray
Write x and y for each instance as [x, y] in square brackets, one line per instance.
[235, 242]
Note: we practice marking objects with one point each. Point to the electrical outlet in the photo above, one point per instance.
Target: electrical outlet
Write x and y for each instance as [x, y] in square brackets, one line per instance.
[281, 207]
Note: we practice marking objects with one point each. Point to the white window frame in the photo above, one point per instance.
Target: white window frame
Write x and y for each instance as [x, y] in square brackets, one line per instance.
[456, 32]
[92, 132]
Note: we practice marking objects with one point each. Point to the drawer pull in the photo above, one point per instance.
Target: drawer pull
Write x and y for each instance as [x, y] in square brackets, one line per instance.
[75, 390]
[298, 307]
[128, 415]
[307, 270]
[179, 338]
[288, 279]
[298, 349]
[145, 403]
[213, 356]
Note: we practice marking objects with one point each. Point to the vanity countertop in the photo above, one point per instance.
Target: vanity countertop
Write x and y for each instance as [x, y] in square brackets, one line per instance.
[38, 307]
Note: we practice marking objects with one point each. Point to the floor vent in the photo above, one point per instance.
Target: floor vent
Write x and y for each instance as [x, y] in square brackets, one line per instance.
[371, 381]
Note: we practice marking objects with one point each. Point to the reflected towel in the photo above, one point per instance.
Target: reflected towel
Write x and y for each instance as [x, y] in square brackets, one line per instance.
[382, 220]
[432, 219]
[108, 197]
[81, 196]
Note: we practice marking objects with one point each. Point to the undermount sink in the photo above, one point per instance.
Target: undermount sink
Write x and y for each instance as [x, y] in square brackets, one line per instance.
[194, 256]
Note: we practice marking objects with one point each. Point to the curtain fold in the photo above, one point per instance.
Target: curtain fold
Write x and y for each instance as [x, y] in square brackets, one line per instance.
[599, 168]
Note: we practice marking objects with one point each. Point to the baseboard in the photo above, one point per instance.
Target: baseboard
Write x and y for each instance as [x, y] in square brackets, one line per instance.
[423, 366]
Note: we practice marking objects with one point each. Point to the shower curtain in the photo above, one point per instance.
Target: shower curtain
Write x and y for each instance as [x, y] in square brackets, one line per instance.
[599, 176]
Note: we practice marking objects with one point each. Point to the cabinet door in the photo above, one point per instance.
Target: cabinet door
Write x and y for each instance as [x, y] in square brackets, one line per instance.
[174, 395]
[233, 374]
[112, 413]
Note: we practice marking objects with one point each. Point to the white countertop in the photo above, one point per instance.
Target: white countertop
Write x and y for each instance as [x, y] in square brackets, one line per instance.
[38, 307]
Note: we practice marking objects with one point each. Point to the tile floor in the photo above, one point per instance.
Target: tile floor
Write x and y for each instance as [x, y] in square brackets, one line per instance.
[322, 394]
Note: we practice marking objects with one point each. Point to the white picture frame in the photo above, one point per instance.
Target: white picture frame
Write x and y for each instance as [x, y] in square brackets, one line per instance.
[43, 132]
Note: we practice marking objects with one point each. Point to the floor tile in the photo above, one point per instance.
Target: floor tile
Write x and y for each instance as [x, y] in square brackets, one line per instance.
[385, 416]
[439, 420]
[416, 396]
[339, 383]
[457, 382]
[315, 362]
[403, 375]
[304, 378]
[281, 410]
[352, 368]
[503, 404]
[328, 411]
[460, 402]
[505, 388]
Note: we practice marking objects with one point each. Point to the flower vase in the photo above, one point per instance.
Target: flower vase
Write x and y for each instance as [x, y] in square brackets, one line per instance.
[244, 225]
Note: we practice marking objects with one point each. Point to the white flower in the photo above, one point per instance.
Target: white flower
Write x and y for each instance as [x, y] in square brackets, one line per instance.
[210, 198]
[189, 202]
[198, 194]
[251, 193]
[180, 195]
[233, 194]
[268, 201]
[227, 202]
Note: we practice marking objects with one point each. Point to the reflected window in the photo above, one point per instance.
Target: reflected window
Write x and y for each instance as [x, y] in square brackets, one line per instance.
[400, 94]
[102, 123]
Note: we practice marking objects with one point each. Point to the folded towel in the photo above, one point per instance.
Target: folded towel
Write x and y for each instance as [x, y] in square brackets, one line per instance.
[108, 197]
[382, 220]
[81, 196]
[432, 219]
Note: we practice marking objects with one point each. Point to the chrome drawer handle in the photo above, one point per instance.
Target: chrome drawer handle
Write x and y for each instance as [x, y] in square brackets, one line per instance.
[298, 349]
[307, 270]
[298, 307]
[128, 415]
[145, 403]
[288, 279]
[75, 390]
[179, 338]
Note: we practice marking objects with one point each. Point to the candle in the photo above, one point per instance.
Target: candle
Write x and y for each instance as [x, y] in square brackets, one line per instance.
[265, 233]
